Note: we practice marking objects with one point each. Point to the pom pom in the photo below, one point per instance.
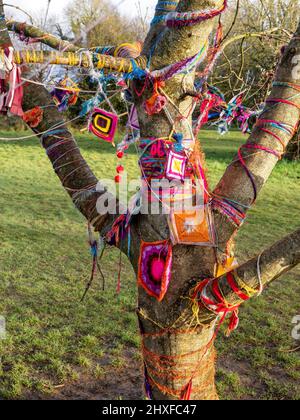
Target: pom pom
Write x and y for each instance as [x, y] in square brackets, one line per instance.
[33, 117]
[120, 169]
[178, 137]
[120, 155]
[117, 179]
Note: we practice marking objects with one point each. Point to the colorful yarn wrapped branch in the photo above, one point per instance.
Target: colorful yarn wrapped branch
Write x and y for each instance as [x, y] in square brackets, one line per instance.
[178, 20]
[181, 67]
[129, 50]
[230, 209]
[209, 296]
[264, 125]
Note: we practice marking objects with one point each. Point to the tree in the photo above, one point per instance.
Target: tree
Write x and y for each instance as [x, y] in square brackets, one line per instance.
[250, 62]
[178, 333]
[85, 14]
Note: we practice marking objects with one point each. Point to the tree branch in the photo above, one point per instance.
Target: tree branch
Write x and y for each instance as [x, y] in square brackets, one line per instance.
[236, 184]
[280, 258]
[45, 38]
[50, 40]
[178, 44]
[79, 59]
[261, 34]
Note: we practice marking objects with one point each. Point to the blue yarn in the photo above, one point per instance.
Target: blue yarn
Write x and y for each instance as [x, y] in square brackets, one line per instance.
[94, 249]
[161, 6]
[128, 96]
[158, 19]
[137, 72]
[129, 243]
[178, 147]
[53, 133]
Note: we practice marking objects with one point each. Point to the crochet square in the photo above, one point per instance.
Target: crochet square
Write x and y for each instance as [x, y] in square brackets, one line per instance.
[176, 166]
[103, 124]
[192, 227]
[155, 266]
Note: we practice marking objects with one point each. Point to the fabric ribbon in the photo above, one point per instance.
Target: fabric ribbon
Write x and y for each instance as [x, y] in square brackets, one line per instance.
[10, 100]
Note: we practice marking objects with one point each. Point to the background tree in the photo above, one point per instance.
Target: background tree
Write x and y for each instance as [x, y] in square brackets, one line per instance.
[249, 64]
[96, 13]
[177, 345]
[259, 29]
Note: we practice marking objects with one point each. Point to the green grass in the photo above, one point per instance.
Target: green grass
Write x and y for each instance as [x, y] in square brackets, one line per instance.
[54, 340]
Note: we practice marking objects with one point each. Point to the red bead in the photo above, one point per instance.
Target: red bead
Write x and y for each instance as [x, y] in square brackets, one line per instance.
[120, 169]
[117, 179]
[120, 155]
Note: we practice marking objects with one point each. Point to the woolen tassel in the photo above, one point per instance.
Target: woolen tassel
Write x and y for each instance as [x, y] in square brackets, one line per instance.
[233, 323]
[187, 392]
[178, 137]
[148, 389]
[119, 274]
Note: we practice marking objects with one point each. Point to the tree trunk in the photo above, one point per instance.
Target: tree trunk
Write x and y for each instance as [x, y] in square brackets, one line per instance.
[186, 355]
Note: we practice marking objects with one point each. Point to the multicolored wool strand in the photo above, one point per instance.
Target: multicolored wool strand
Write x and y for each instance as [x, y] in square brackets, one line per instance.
[179, 20]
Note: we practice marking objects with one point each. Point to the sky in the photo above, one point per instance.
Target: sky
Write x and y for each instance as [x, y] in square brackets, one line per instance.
[57, 6]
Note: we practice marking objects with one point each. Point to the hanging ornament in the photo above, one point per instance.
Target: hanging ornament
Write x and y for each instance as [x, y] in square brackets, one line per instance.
[176, 165]
[155, 266]
[120, 168]
[66, 94]
[192, 227]
[103, 124]
[11, 86]
[157, 102]
[33, 117]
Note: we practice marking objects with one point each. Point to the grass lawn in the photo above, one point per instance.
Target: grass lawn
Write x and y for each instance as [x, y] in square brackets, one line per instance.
[57, 347]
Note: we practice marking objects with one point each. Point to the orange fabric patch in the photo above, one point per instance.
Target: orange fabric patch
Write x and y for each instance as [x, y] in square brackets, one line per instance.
[191, 227]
